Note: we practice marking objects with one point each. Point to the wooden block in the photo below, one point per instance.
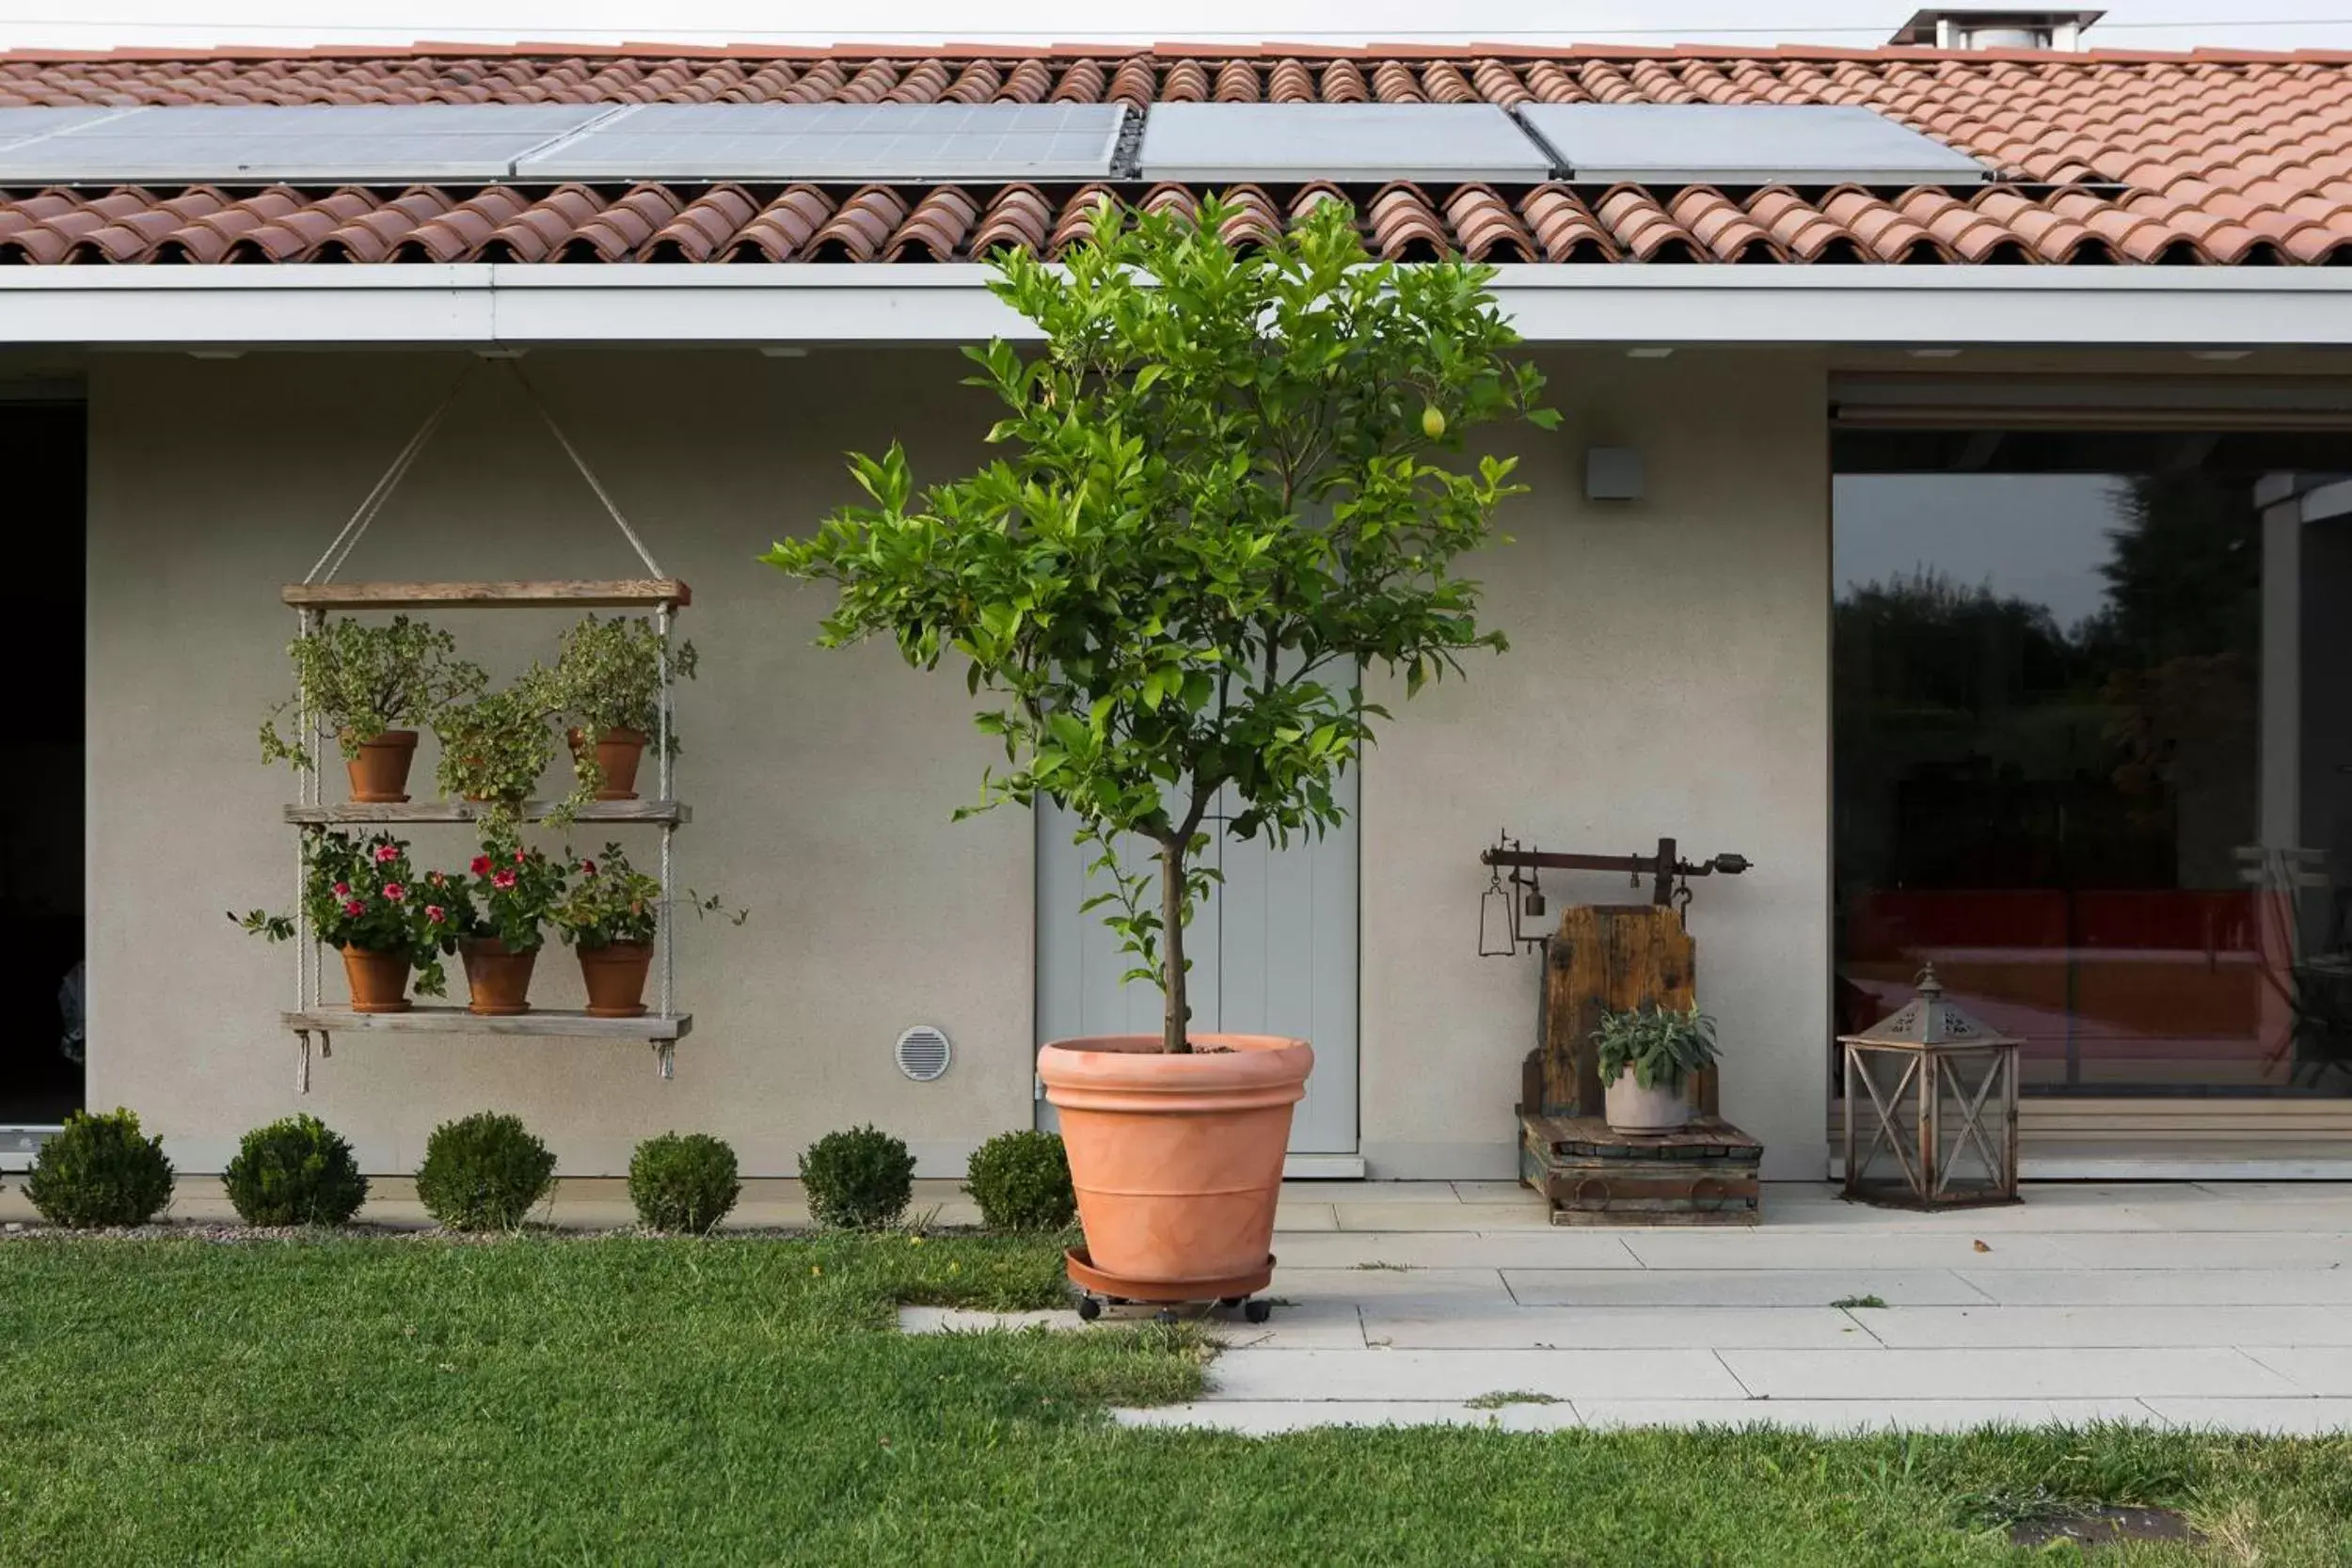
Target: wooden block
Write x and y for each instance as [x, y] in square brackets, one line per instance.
[1706, 1174]
[604, 594]
[1604, 958]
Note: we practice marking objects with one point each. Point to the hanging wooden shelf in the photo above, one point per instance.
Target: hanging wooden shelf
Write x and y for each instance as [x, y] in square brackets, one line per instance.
[668, 814]
[651, 1029]
[612, 594]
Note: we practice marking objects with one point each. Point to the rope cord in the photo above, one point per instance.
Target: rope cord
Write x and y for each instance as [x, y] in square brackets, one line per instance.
[344, 543]
[652, 569]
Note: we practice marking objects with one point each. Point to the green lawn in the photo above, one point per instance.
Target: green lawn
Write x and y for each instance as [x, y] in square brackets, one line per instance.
[670, 1402]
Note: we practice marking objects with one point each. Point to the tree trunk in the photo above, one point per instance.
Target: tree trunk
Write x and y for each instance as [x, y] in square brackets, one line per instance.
[1172, 947]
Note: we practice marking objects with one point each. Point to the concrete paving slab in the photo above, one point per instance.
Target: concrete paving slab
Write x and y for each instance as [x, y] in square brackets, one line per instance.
[1510, 1249]
[1736, 1288]
[1404, 1325]
[2324, 1284]
[1464, 1374]
[1304, 1216]
[959, 1320]
[1297, 1324]
[1269, 1417]
[1496, 1191]
[1838, 1417]
[1470, 1287]
[2303, 1417]
[1482, 1217]
[2300, 1216]
[1897, 1375]
[1799, 1249]
[2137, 1326]
[2311, 1368]
[2190, 1249]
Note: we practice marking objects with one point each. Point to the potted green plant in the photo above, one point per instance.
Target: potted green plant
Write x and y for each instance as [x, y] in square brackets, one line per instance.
[1646, 1056]
[360, 684]
[367, 900]
[501, 909]
[494, 749]
[1232, 480]
[607, 684]
[610, 914]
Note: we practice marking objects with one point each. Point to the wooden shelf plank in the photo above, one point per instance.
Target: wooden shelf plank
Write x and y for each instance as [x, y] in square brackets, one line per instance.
[457, 1021]
[466, 810]
[604, 594]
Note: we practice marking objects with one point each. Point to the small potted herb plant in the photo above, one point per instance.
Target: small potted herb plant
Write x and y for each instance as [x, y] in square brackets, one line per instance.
[367, 900]
[607, 683]
[1648, 1055]
[610, 914]
[361, 683]
[494, 749]
[508, 895]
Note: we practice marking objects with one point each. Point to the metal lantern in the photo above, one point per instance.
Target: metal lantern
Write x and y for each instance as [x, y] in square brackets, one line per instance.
[1931, 1108]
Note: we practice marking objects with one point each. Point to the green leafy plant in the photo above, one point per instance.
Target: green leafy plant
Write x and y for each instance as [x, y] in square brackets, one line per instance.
[100, 1170]
[484, 1172]
[367, 896]
[511, 892]
[494, 749]
[357, 681]
[1020, 1180]
[297, 1171]
[1660, 1046]
[1233, 481]
[859, 1179]
[609, 900]
[683, 1182]
[607, 676]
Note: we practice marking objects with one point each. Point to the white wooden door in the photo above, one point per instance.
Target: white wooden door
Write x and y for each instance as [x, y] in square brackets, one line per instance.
[1273, 950]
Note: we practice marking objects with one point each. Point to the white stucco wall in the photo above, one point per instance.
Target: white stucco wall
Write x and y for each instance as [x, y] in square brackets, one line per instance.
[1668, 675]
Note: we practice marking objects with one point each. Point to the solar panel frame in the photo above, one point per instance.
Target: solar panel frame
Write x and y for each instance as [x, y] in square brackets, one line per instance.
[1742, 144]
[34, 122]
[296, 144]
[1348, 143]
[841, 142]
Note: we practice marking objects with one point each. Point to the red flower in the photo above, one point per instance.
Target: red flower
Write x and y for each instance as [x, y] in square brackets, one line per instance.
[518, 857]
[482, 865]
[503, 879]
[433, 912]
[387, 853]
[588, 868]
[394, 892]
[436, 878]
[354, 907]
[342, 890]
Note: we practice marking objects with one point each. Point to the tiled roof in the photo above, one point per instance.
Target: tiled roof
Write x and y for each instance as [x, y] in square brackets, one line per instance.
[2210, 157]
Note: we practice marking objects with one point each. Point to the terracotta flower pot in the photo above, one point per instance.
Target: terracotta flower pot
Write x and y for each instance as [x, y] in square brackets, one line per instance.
[618, 752]
[1631, 1108]
[499, 979]
[1177, 1160]
[616, 976]
[379, 774]
[379, 981]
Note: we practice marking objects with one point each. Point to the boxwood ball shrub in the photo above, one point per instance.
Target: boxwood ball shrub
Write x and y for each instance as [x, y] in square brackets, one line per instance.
[683, 1182]
[484, 1172]
[1020, 1180]
[858, 1180]
[100, 1170]
[298, 1171]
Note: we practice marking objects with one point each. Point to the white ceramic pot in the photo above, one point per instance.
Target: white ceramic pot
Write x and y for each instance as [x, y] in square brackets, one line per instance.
[1631, 1108]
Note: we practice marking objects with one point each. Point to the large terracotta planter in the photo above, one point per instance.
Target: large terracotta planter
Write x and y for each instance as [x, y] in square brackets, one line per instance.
[618, 752]
[379, 981]
[379, 774]
[1177, 1158]
[1631, 1108]
[499, 979]
[616, 976]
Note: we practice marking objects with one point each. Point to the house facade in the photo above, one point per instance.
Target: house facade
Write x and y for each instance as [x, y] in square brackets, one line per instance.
[1970, 557]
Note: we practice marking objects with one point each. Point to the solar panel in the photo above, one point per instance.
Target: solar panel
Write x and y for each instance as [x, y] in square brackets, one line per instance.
[1351, 142]
[841, 141]
[1743, 144]
[309, 142]
[18, 126]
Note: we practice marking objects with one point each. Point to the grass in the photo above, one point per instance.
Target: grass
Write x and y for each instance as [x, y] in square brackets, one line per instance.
[633, 1400]
[1857, 1303]
[1502, 1397]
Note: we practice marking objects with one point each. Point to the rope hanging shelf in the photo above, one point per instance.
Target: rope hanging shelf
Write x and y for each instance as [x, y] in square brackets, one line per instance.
[662, 1027]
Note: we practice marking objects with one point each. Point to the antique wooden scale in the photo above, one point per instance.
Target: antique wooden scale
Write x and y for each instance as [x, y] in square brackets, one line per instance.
[1600, 959]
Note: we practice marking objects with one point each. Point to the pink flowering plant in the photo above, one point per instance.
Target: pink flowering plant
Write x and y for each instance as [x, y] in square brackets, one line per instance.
[510, 892]
[368, 897]
[608, 901]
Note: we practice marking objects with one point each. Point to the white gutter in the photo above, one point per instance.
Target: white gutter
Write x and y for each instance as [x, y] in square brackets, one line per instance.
[487, 305]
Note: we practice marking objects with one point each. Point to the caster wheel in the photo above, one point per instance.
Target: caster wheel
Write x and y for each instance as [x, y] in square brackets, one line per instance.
[1089, 1309]
[1233, 1301]
[1165, 1315]
[1258, 1311]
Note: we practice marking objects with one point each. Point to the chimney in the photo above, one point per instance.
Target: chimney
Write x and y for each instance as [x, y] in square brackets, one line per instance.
[1954, 27]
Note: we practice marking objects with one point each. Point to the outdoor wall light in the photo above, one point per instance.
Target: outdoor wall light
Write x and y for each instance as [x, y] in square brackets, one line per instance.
[1612, 474]
[783, 351]
[1934, 353]
[1649, 353]
[2220, 355]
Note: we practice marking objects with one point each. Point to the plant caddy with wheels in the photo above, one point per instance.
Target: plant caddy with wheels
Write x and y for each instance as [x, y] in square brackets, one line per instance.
[1232, 480]
[499, 812]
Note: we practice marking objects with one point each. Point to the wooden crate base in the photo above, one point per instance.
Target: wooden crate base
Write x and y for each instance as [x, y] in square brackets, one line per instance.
[1704, 1175]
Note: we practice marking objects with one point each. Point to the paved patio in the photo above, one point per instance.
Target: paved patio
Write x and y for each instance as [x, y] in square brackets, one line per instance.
[2224, 1306]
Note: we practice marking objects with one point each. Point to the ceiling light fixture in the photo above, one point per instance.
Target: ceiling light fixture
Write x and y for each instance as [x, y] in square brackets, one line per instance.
[2219, 356]
[1648, 353]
